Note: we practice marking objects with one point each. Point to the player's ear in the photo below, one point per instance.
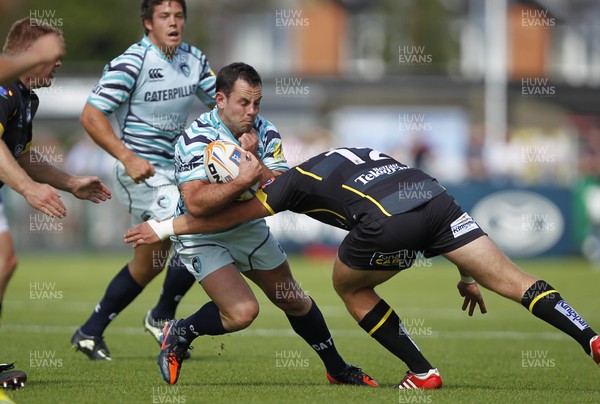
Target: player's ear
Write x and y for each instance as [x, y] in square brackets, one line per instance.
[220, 99]
[148, 25]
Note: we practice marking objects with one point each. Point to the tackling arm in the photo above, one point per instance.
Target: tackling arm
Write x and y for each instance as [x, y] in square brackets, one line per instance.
[146, 233]
[82, 187]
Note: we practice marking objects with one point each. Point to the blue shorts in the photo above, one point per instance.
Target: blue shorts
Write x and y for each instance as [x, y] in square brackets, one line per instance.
[153, 198]
[249, 246]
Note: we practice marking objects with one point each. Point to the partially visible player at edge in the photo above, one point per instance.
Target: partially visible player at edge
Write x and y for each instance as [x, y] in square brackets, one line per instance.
[150, 88]
[358, 189]
[23, 169]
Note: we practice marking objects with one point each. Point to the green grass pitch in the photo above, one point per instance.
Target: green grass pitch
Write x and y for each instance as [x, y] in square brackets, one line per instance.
[505, 356]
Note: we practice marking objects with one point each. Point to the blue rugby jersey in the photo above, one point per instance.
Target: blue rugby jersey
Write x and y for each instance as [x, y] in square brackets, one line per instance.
[189, 150]
[151, 96]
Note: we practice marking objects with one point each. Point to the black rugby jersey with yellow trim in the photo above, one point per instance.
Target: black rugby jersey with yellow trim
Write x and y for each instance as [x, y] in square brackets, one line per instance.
[346, 186]
[18, 106]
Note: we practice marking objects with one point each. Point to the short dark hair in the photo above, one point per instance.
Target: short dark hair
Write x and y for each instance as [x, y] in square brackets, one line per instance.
[228, 75]
[148, 6]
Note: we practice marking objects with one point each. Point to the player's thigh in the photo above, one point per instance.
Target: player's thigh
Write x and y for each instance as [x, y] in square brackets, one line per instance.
[488, 265]
[228, 289]
[349, 281]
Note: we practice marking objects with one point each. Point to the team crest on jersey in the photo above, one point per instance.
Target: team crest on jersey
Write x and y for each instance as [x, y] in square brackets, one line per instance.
[185, 69]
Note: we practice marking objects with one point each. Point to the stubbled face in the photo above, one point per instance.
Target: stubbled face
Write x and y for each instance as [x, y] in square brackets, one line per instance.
[239, 110]
[165, 29]
[43, 75]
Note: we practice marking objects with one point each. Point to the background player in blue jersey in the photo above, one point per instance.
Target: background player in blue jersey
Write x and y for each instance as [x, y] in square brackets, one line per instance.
[150, 89]
[392, 213]
[217, 259]
[22, 169]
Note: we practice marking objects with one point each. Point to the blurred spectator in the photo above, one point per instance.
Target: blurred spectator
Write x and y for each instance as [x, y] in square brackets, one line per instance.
[86, 158]
[476, 164]
[299, 148]
[589, 168]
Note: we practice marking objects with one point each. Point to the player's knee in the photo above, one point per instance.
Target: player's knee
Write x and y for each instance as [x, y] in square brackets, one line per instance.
[342, 289]
[9, 265]
[242, 315]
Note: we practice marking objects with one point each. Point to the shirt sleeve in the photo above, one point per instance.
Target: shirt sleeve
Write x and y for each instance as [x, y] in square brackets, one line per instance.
[117, 82]
[277, 194]
[206, 90]
[271, 146]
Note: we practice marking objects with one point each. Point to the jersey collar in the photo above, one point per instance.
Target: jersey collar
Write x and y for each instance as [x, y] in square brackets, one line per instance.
[26, 92]
[147, 43]
[218, 122]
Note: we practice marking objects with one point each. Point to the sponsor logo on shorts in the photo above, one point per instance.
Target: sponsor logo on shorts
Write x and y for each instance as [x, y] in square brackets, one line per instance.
[398, 259]
[463, 225]
[564, 308]
[386, 259]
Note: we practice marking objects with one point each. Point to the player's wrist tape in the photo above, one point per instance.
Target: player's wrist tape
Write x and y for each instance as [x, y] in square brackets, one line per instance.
[466, 279]
[163, 229]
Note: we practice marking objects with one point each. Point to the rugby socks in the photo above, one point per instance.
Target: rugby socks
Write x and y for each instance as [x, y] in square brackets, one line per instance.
[177, 282]
[206, 321]
[313, 329]
[546, 303]
[383, 324]
[121, 291]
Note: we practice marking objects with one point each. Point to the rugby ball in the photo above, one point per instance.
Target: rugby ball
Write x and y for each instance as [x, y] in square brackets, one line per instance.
[221, 163]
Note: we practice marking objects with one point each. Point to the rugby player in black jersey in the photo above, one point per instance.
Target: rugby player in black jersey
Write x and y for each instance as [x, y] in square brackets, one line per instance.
[392, 213]
[22, 168]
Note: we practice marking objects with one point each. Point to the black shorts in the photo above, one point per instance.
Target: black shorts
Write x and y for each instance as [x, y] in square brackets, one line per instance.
[394, 243]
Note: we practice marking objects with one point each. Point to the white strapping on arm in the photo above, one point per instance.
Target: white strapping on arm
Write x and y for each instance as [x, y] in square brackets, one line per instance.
[163, 229]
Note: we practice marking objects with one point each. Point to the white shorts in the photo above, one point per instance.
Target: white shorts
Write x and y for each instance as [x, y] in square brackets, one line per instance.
[154, 198]
[249, 246]
[3, 221]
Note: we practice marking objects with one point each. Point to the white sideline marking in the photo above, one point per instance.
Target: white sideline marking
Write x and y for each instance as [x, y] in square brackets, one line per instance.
[278, 332]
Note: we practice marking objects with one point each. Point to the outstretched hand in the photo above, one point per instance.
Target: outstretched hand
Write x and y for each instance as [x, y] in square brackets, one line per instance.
[90, 188]
[140, 235]
[472, 295]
